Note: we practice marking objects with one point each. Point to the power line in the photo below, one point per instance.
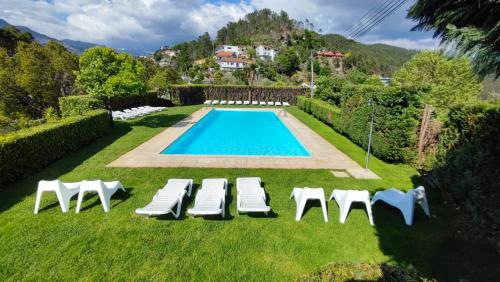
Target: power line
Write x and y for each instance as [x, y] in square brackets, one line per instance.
[387, 7]
[366, 17]
[375, 23]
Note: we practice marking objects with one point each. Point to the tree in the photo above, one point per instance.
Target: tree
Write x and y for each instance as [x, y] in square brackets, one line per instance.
[34, 77]
[161, 81]
[241, 76]
[356, 76]
[288, 61]
[218, 77]
[105, 73]
[451, 81]
[10, 36]
[472, 26]
[329, 88]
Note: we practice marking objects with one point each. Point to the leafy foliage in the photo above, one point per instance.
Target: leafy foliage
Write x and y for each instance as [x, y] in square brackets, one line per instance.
[78, 105]
[287, 61]
[396, 114]
[105, 73]
[467, 164]
[26, 151]
[34, 77]
[162, 79]
[471, 26]
[329, 88]
[10, 36]
[451, 81]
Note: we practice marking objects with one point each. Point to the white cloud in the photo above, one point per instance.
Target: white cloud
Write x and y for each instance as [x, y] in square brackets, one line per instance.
[146, 24]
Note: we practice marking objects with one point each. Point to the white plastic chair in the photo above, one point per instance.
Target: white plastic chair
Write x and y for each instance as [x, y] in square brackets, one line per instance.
[345, 198]
[215, 102]
[262, 103]
[230, 102]
[301, 195]
[211, 199]
[239, 102]
[223, 102]
[270, 103]
[104, 189]
[64, 192]
[286, 104]
[405, 202]
[208, 102]
[278, 104]
[250, 197]
[167, 198]
[255, 103]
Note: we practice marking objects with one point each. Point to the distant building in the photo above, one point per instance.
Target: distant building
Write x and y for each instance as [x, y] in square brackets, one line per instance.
[265, 53]
[230, 48]
[385, 80]
[220, 55]
[230, 63]
[167, 62]
[330, 54]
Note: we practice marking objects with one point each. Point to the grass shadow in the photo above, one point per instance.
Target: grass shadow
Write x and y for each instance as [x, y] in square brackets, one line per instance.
[119, 195]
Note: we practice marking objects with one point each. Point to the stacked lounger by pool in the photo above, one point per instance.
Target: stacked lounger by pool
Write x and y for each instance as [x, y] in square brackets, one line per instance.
[135, 112]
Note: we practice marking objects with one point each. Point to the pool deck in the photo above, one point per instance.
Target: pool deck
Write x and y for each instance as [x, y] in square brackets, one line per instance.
[323, 154]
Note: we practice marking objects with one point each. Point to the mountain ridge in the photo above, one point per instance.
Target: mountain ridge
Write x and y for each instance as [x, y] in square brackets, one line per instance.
[72, 45]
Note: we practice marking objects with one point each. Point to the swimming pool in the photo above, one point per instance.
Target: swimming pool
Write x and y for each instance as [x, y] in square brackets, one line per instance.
[238, 132]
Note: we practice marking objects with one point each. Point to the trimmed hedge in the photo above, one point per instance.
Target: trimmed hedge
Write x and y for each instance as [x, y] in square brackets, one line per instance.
[78, 105]
[26, 151]
[397, 113]
[131, 101]
[196, 94]
[467, 166]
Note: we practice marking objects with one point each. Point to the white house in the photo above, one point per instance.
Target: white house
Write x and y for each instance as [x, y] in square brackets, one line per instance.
[265, 53]
[230, 64]
[229, 48]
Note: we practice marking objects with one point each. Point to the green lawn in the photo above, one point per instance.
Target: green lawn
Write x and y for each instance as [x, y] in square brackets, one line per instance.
[121, 245]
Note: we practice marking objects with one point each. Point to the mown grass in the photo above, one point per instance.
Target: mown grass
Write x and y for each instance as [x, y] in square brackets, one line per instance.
[121, 245]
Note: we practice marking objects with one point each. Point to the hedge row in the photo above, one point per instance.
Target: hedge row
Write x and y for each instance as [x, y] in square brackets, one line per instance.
[131, 101]
[26, 151]
[78, 104]
[467, 166]
[197, 94]
[396, 116]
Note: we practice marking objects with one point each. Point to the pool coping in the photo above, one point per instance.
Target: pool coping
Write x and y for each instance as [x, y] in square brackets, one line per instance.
[323, 155]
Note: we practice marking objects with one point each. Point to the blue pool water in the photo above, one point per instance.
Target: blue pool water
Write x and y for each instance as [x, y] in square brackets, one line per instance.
[233, 132]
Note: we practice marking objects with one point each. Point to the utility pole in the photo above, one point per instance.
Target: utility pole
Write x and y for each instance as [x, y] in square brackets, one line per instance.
[370, 135]
[312, 76]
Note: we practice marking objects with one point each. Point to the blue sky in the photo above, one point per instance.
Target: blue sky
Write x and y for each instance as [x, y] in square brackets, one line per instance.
[143, 25]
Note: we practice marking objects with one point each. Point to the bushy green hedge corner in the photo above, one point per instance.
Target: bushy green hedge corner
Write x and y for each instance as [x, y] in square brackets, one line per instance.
[26, 151]
[397, 113]
[78, 105]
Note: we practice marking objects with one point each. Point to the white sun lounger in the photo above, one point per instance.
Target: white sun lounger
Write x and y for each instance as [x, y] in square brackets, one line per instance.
[223, 102]
[211, 198]
[215, 102]
[251, 197]
[239, 102]
[104, 189]
[167, 198]
[255, 103]
[345, 198]
[64, 192]
[405, 202]
[286, 104]
[277, 104]
[270, 103]
[230, 103]
[208, 102]
[262, 103]
[301, 195]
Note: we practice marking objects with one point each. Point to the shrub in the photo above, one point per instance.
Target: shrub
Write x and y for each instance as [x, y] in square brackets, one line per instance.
[364, 272]
[329, 88]
[28, 150]
[78, 105]
[149, 98]
[198, 93]
[467, 164]
[396, 114]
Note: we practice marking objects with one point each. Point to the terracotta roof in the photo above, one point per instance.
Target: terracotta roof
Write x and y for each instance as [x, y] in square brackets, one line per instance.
[224, 54]
[334, 54]
[233, 60]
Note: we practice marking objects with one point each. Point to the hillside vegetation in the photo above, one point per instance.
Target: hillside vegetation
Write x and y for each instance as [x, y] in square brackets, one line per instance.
[279, 31]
